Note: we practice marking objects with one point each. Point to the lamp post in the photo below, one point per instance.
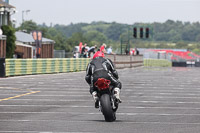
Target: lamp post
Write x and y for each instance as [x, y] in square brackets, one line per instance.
[2, 10]
[23, 16]
[24, 11]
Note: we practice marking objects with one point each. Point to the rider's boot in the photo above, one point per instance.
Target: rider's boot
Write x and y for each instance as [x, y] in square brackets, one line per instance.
[96, 99]
[116, 94]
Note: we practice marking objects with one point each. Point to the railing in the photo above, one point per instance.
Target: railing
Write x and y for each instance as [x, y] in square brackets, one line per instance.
[126, 61]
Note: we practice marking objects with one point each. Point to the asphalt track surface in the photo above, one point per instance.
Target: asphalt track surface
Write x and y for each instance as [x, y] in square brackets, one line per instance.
[155, 100]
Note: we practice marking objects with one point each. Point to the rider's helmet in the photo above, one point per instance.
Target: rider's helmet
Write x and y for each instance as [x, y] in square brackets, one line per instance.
[98, 54]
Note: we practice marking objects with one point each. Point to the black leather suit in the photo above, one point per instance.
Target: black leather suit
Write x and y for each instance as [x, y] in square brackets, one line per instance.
[101, 68]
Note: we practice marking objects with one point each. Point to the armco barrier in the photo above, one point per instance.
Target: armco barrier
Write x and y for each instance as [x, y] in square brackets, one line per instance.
[179, 64]
[197, 64]
[157, 63]
[42, 66]
[126, 61]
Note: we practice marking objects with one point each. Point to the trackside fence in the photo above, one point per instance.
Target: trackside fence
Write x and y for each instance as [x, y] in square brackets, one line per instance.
[15, 67]
[42, 66]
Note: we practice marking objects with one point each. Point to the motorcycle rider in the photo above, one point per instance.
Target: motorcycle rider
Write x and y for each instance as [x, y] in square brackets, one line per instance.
[100, 67]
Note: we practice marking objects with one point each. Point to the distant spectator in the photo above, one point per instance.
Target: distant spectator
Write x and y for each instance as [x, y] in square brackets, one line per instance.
[92, 50]
[103, 48]
[136, 51]
[132, 51]
[126, 51]
[83, 50]
[109, 50]
[85, 54]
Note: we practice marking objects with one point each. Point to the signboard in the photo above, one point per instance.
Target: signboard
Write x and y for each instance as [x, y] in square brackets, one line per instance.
[190, 62]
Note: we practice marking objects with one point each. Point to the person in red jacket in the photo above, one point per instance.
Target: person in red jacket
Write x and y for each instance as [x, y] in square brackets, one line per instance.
[103, 48]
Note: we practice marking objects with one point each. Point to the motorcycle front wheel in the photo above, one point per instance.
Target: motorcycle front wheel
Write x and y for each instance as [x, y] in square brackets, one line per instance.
[106, 108]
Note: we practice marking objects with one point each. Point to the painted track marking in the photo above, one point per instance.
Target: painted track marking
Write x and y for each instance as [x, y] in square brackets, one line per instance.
[17, 96]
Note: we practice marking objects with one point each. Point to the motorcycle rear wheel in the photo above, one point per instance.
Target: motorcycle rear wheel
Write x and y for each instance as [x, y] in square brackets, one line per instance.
[106, 108]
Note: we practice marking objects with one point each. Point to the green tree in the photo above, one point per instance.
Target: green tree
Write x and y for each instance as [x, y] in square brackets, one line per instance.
[10, 42]
[28, 26]
[52, 32]
[115, 30]
[196, 50]
[59, 38]
[44, 31]
[70, 29]
[67, 36]
[60, 42]
[76, 38]
[96, 36]
[198, 38]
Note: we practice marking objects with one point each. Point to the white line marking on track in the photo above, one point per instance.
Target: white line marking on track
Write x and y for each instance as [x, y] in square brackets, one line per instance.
[52, 100]
[52, 95]
[99, 113]
[162, 97]
[59, 106]
[123, 107]
[39, 132]
[80, 106]
[92, 122]
[162, 102]
[161, 91]
[82, 100]
[179, 94]
[159, 97]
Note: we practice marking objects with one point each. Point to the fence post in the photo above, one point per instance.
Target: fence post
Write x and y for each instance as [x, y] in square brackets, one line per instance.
[2, 67]
[130, 61]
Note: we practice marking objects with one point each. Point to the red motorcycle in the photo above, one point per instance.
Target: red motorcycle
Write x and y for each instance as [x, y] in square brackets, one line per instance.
[107, 103]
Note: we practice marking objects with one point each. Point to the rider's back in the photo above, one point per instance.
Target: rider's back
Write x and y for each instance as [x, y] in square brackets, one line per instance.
[98, 69]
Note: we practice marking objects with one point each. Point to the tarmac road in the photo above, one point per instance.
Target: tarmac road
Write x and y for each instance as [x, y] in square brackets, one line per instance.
[155, 100]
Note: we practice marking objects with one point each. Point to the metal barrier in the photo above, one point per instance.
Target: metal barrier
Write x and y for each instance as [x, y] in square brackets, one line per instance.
[186, 64]
[197, 64]
[157, 63]
[126, 61]
[59, 53]
[42, 66]
[179, 64]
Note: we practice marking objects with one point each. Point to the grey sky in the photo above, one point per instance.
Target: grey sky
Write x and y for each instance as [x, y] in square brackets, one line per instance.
[122, 11]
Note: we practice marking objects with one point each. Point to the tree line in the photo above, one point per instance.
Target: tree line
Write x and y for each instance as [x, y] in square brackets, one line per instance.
[170, 34]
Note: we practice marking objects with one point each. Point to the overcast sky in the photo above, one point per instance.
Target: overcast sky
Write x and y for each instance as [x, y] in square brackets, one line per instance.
[121, 11]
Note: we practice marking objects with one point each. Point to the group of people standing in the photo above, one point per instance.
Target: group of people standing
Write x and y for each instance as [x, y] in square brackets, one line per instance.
[86, 52]
[89, 52]
[132, 51]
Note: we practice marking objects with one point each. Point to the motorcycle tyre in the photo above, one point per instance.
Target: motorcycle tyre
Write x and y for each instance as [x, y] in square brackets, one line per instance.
[106, 108]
